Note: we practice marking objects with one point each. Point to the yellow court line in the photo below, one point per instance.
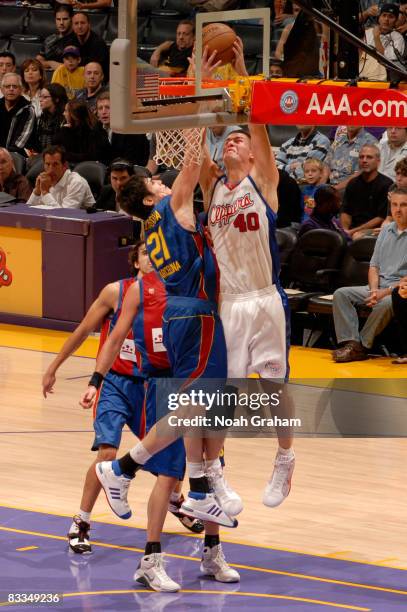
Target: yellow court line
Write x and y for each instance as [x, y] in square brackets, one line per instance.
[226, 540]
[26, 548]
[262, 570]
[233, 593]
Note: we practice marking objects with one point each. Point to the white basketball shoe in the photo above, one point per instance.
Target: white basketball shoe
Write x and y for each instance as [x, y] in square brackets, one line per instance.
[279, 485]
[214, 564]
[116, 486]
[230, 501]
[205, 506]
[152, 574]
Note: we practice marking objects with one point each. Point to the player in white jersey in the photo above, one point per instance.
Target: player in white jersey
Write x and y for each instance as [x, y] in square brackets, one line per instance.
[242, 210]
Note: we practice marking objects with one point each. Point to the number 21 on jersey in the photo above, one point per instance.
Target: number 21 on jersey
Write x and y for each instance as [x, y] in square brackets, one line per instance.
[160, 252]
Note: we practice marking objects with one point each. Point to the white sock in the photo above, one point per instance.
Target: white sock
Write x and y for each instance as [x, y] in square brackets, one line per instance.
[195, 470]
[213, 463]
[139, 454]
[175, 496]
[85, 516]
[288, 452]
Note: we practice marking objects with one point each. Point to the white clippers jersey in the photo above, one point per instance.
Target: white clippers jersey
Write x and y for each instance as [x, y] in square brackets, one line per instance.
[242, 227]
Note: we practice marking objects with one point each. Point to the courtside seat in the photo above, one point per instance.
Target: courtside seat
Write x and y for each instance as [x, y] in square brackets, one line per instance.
[314, 262]
[41, 22]
[353, 272]
[12, 20]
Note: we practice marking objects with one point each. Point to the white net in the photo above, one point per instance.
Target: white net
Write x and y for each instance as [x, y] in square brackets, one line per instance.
[179, 148]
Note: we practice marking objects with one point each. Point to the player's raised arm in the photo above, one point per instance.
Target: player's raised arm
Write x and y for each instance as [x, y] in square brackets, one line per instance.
[104, 303]
[113, 343]
[182, 197]
[265, 169]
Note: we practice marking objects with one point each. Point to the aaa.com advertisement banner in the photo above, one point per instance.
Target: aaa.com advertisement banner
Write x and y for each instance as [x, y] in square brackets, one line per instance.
[285, 103]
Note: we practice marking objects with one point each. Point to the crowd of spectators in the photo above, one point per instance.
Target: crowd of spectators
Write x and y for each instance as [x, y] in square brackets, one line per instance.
[55, 113]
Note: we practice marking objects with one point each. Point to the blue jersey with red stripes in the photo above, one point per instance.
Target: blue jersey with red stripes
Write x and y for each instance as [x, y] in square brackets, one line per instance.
[128, 360]
[184, 259]
[147, 325]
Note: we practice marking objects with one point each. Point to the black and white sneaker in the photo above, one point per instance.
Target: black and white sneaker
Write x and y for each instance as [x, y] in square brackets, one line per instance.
[193, 524]
[78, 536]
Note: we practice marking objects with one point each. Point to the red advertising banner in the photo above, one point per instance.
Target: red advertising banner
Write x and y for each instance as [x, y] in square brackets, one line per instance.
[285, 103]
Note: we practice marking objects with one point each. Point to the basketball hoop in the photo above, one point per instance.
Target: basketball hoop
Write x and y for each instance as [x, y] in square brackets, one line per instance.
[179, 148]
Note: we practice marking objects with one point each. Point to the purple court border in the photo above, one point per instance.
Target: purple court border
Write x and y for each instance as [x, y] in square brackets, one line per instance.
[270, 579]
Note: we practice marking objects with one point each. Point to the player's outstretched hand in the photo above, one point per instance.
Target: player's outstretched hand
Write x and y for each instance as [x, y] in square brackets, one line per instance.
[48, 382]
[88, 398]
[238, 62]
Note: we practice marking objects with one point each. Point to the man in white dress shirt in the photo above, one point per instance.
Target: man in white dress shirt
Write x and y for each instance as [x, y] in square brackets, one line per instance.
[57, 186]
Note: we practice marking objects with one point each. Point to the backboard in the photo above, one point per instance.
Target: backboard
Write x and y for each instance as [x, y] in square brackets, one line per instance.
[136, 101]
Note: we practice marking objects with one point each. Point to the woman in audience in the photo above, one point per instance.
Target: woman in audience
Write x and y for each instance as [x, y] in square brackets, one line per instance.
[33, 77]
[53, 99]
[323, 216]
[83, 138]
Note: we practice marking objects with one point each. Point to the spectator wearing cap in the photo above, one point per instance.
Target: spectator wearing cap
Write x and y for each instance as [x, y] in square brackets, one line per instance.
[92, 47]
[93, 75]
[50, 55]
[17, 116]
[387, 41]
[10, 182]
[70, 75]
[57, 186]
[133, 147]
[121, 171]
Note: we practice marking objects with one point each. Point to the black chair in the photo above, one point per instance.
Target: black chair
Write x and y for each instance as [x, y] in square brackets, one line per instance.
[354, 271]
[13, 20]
[112, 28]
[36, 168]
[286, 240]
[98, 22]
[41, 22]
[146, 7]
[280, 133]
[94, 172]
[24, 46]
[315, 260]
[180, 6]
[252, 37]
[161, 29]
[19, 162]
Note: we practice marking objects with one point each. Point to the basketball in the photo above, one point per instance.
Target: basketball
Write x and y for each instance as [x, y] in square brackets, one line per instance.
[220, 38]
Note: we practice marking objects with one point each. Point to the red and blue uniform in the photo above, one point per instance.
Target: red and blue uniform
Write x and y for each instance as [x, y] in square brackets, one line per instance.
[192, 330]
[154, 364]
[120, 399]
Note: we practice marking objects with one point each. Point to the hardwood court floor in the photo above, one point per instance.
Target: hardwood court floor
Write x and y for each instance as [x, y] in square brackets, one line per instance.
[348, 499]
